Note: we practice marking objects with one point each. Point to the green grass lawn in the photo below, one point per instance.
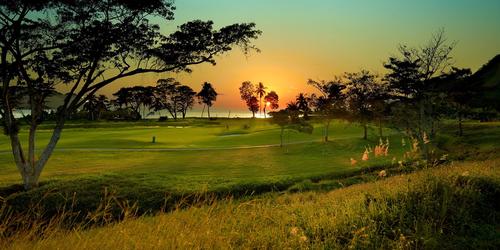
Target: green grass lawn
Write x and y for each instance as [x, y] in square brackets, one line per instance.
[189, 170]
[92, 157]
[189, 134]
[99, 167]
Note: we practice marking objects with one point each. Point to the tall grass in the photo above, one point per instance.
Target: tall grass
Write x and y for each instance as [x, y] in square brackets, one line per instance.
[453, 207]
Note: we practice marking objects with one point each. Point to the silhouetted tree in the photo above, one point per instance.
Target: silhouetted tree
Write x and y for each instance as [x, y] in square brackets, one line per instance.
[88, 45]
[303, 102]
[412, 75]
[207, 96]
[282, 119]
[404, 81]
[289, 119]
[253, 105]
[186, 99]
[362, 90]
[247, 92]
[380, 106]
[167, 96]
[330, 103]
[460, 93]
[146, 95]
[273, 100]
[135, 97]
[95, 106]
[293, 111]
[260, 90]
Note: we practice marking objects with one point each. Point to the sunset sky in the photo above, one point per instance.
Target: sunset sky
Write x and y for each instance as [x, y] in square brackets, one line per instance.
[321, 38]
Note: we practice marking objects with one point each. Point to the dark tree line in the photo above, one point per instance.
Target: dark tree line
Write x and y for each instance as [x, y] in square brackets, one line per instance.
[420, 88]
[138, 102]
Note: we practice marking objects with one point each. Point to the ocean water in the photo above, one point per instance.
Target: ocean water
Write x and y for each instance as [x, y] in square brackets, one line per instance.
[192, 113]
[213, 114]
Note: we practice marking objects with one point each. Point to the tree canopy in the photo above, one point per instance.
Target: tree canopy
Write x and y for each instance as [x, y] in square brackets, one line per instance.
[88, 44]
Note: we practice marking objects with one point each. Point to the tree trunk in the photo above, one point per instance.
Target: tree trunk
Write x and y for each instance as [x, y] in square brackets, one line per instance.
[253, 114]
[30, 170]
[19, 159]
[260, 105]
[208, 111]
[12, 129]
[327, 128]
[47, 152]
[265, 112]
[175, 110]
[203, 111]
[171, 114]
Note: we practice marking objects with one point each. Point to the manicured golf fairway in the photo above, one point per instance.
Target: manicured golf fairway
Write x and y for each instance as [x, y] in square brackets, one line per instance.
[115, 152]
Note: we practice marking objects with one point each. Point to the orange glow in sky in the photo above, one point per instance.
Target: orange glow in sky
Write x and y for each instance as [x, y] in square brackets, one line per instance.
[319, 39]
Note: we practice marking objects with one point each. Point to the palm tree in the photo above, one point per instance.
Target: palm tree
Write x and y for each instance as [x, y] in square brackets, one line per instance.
[95, 106]
[303, 104]
[207, 96]
[260, 91]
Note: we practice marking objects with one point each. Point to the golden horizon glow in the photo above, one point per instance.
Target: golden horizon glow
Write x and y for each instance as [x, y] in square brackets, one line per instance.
[319, 39]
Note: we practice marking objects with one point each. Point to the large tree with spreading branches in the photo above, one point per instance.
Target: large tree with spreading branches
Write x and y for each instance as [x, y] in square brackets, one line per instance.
[87, 45]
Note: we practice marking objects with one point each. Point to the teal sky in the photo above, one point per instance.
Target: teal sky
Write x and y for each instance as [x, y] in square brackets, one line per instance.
[320, 38]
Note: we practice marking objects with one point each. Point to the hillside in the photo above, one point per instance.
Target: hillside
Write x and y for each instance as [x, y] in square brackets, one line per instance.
[487, 80]
[452, 207]
[52, 102]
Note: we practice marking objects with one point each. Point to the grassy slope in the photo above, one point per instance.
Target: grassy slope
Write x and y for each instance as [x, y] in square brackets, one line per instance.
[196, 170]
[449, 207]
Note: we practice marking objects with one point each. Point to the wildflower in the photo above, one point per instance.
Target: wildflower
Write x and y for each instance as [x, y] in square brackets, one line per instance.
[415, 145]
[443, 157]
[402, 237]
[365, 156]
[353, 162]
[378, 150]
[294, 231]
[425, 138]
[465, 174]
[382, 174]
[382, 149]
[303, 238]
